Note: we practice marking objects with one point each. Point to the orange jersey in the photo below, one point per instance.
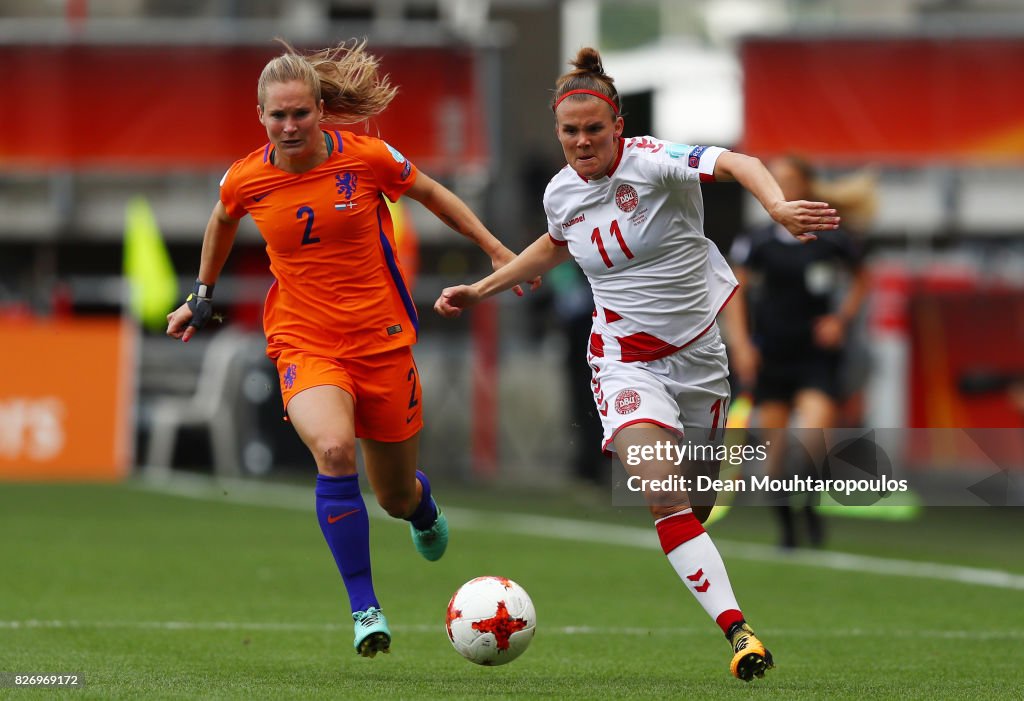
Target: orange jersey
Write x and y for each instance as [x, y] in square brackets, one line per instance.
[339, 289]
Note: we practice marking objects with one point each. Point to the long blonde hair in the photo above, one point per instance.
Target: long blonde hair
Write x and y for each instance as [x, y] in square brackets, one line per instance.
[346, 77]
[854, 195]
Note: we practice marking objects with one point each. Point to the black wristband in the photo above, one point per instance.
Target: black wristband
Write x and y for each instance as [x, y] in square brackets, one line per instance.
[201, 289]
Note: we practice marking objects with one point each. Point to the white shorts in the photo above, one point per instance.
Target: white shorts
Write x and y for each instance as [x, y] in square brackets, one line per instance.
[686, 390]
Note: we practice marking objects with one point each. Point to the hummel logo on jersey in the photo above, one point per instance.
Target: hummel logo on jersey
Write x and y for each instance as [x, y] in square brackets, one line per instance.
[696, 577]
[575, 220]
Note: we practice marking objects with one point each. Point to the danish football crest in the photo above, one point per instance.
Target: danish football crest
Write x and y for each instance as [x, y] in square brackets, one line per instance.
[626, 198]
[627, 401]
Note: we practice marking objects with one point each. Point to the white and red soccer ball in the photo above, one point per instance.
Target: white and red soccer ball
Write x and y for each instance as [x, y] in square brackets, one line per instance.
[491, 620]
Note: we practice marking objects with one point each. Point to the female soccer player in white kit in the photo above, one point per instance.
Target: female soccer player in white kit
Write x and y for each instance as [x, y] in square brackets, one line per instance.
[630, 213]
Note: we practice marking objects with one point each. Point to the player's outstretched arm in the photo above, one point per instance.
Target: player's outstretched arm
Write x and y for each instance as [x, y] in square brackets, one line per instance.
[539, 257]
[800, 217]
[446, 206]
[191, 316]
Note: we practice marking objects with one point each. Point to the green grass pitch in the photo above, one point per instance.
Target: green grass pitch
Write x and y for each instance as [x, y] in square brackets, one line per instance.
[155, 595]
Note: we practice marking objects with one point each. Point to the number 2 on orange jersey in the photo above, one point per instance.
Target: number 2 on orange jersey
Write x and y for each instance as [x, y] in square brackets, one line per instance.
[306, 237]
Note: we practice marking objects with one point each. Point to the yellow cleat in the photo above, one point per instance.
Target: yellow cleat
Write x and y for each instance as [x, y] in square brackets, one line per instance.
[750, 658]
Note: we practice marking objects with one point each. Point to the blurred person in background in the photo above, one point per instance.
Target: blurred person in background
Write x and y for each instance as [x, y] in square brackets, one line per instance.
[573, 309]
[788, 326]
[630, 213]
[339, 319]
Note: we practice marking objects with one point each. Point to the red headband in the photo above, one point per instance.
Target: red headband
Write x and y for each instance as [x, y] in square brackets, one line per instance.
[596, 94]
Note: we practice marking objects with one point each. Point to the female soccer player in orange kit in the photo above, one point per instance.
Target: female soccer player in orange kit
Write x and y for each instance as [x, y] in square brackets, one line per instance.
[339, 319]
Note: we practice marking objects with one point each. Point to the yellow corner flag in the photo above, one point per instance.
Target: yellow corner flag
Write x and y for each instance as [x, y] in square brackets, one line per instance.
[147, 266]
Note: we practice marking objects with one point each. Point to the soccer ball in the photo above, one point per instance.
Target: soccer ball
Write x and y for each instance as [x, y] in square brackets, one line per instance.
[491, 620]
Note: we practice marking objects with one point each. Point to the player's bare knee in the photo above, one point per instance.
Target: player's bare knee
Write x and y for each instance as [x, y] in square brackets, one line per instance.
[701, 510]
[664, 508]
[335, 457]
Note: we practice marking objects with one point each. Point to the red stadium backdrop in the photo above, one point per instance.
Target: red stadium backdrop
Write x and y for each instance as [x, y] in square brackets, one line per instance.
[890, 101]
[967, 351]
[188, 107]
[966, 369]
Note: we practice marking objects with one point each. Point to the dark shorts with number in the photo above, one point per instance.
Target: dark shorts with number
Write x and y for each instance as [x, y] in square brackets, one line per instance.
[385, 387]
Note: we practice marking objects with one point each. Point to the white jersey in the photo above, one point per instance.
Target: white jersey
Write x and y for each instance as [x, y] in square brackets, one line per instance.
[638, 234]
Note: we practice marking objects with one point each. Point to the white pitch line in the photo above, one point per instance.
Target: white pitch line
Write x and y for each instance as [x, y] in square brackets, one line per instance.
[248, 492]
[438, 629]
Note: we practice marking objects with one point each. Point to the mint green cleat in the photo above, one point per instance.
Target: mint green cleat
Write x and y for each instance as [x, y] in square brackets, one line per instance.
[372, 634]
[432, 542]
